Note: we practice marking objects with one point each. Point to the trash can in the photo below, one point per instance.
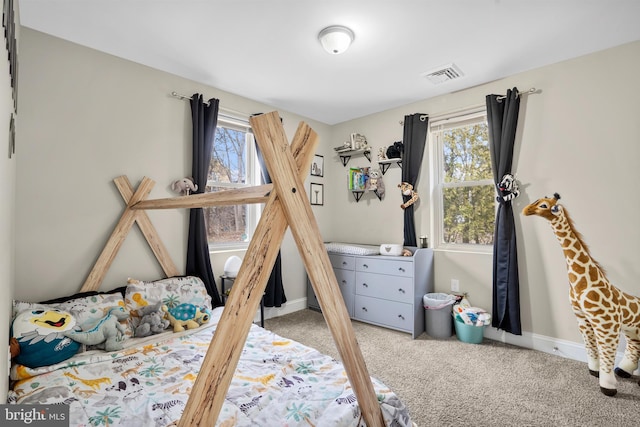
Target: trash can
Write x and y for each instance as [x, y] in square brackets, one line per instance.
[438, 321]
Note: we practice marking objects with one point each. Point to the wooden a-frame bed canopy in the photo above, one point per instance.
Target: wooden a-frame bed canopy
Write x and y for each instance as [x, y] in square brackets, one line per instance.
[287, 205]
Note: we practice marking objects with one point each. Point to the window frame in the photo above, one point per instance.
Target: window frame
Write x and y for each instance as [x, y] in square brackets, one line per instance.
[438, 124]
[252, 178]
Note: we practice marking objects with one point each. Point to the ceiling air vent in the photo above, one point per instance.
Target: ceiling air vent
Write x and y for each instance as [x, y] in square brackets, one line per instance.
[443, 74]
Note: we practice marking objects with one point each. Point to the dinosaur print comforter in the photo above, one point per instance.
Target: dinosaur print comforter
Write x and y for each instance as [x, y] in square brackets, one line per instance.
[278, 382]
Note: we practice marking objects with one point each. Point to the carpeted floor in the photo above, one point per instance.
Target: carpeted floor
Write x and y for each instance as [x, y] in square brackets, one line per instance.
[445, 382]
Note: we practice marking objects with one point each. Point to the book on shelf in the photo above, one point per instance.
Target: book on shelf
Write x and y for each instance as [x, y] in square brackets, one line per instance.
[358, 179]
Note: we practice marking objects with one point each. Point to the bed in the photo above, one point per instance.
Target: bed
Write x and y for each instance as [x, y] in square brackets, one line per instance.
[147, 383]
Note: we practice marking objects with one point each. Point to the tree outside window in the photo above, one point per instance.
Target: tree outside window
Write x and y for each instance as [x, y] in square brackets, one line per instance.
[233, 165]
[464, 181]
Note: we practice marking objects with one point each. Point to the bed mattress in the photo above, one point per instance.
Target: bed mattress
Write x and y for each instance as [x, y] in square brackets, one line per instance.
[278, 382]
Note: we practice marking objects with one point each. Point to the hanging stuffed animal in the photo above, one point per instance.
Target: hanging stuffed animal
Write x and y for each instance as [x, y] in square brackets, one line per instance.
[508, 188]
[184, 186]
[407, 190]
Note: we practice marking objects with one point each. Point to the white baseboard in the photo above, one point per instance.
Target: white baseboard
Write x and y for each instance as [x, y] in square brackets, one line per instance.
[559, 347]
[568, 349]
[287, 307]
[563, 348]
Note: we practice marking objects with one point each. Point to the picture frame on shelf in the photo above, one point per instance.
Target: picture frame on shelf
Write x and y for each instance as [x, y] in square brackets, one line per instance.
[316, 194]
[317, 166]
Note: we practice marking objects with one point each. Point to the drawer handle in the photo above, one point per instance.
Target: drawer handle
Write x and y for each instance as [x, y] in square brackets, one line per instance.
[401, 269]
[401, 316]
[344, 262]
[344, 282]
[364, 308]
[365, 266]
[365, 285]
[401, 290]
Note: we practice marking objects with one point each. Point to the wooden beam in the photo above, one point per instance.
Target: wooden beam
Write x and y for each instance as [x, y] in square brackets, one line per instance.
[148, 230]
[211, 385]
[295, 203]
[108, 254]
[240, 196]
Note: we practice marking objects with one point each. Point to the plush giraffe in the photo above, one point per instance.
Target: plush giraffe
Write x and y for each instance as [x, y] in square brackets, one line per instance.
[602, 310]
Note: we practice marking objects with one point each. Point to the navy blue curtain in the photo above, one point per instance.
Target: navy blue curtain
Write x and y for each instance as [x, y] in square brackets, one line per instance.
[204, 119]
[274, 292]
[502, 116]
[414, 140]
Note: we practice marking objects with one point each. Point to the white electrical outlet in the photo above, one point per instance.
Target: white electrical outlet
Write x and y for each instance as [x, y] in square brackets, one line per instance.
[455, 285]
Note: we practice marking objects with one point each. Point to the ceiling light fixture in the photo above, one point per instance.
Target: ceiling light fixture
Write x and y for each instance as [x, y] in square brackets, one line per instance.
[336, 39]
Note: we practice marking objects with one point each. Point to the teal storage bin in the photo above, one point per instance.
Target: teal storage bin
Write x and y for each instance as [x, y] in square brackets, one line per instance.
[469, 333]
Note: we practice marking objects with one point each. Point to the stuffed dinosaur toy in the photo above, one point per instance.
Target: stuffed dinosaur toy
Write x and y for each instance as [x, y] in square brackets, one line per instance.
[184, 186]
[152, 320]
[108, 333]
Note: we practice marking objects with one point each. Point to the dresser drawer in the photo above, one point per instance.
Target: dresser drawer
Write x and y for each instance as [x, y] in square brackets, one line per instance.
[393, 314]
[385, 266]
[392, 288]
[347, 283]
[344, 262]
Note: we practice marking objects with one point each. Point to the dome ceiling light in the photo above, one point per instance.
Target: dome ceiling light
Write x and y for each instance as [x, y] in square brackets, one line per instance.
[336, 39]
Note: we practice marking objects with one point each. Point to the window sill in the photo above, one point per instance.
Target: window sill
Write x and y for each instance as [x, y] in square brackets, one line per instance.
[466, 249]
[231, 247]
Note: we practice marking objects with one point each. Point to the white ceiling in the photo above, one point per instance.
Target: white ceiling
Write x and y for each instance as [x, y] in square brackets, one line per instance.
[267, 50]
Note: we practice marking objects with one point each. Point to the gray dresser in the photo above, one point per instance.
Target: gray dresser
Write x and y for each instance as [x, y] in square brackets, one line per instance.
[383, 290]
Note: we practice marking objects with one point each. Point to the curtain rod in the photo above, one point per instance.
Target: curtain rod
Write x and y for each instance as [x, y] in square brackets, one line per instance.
[526, 92]
[188, 98]
[423, 117]
[500, 98]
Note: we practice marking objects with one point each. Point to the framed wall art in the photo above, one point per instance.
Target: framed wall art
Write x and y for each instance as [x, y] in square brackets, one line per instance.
[317, 166]
[8, 22]
[12, 137]
[316, 194]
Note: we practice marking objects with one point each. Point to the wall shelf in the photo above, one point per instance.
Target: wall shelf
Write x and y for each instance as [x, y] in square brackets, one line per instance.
[345, 156]
[384, 164]
[357, 194]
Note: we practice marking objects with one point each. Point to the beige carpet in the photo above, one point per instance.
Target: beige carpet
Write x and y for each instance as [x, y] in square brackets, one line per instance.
[445, 382]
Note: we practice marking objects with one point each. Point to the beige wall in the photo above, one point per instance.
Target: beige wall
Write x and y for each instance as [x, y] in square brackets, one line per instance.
[82, 125]
[89, 117]
[579, 137]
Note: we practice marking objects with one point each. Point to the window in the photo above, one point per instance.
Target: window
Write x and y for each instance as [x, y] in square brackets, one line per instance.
[233, 165]
[464, 191]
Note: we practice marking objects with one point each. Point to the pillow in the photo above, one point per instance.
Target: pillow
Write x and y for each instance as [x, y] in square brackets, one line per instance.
[171, 292]
[87, 310]
[119, 290]
[40, 335]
